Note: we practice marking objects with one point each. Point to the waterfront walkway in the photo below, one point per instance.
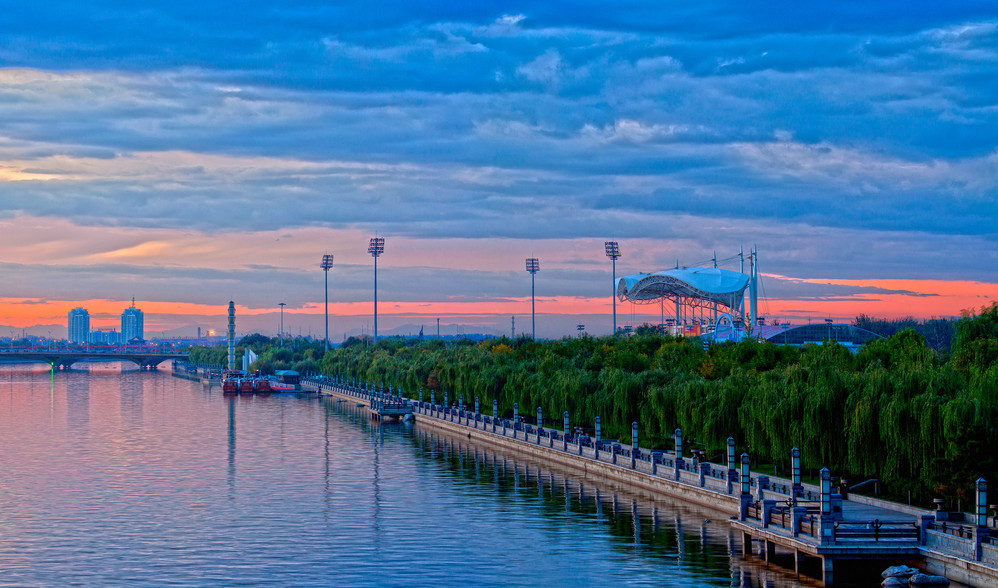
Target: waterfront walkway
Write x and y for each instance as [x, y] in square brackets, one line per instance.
[773, 513]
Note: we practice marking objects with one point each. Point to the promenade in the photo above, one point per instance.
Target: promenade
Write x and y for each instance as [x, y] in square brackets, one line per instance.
[773, 514]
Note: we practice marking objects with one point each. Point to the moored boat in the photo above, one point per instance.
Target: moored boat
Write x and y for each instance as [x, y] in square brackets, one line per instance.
[230, 380]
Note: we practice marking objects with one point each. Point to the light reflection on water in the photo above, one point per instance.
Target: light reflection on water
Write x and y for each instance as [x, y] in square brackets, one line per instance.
[133, 477]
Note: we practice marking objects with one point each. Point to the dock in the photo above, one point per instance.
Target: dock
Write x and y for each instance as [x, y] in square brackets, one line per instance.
[820, 523]
[382, 405]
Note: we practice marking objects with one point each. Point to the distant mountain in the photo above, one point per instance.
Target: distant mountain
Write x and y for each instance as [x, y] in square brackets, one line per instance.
[50, 331]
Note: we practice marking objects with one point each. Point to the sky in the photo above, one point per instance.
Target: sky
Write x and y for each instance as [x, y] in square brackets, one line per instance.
[189, 153]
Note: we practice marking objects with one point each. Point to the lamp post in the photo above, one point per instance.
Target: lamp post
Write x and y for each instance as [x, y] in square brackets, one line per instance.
[533, 266]
[327, 263]
[281, 334]
[613, 252]
[376, 248]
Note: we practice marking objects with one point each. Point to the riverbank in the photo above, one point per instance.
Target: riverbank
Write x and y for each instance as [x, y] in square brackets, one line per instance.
[816, 523]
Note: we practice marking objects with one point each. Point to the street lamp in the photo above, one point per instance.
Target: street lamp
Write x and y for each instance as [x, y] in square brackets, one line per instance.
[613, 252]
[327, 263]
[376, 248]
[533, 266]
[281, 334]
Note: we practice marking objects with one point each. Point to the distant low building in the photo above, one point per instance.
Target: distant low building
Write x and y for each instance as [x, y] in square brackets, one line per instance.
[79, 325]
[108, 337]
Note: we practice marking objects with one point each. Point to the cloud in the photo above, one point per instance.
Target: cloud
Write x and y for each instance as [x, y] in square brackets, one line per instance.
[545, 68]
[845, 139]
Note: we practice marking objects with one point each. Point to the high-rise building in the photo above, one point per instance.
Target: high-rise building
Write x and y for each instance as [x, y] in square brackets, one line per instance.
[132, 324]
[79, 325]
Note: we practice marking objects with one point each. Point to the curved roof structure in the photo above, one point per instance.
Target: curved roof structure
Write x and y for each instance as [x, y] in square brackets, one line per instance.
[704, 283]
[848, 335]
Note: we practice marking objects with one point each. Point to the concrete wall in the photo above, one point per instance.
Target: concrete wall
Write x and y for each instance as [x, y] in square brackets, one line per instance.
[907, 509]
[655, 484]
[949, 543]
[960, 570]
[989, 554]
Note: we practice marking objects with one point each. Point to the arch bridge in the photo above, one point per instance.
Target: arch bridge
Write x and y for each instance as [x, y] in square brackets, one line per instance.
[63, 359]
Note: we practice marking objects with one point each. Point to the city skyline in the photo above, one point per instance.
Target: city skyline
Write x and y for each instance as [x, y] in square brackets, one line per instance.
[195, 157]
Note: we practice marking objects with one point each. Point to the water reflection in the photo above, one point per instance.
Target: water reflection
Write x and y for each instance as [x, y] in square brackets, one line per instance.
[192, 487]
[231, 402]
[78, 407]
[697, 541]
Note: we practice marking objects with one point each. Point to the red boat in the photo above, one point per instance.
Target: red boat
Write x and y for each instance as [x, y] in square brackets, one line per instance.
[230, 380]
[245, 386]
[262, 386]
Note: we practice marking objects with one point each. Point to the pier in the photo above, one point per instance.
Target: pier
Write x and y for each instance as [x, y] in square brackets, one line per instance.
[815, 524]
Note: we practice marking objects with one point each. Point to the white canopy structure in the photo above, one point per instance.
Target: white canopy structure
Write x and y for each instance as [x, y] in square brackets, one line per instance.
[707, 284]
[701, 295]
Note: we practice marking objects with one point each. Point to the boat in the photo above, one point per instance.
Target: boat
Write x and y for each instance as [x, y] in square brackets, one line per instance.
[230, 380]
[262, 386]
[285, 381]
[277, 386]
[245, 385]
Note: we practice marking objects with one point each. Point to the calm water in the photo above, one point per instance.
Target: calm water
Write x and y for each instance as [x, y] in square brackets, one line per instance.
[110, 478]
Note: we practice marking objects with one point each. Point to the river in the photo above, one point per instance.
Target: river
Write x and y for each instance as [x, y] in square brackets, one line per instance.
[119, 477]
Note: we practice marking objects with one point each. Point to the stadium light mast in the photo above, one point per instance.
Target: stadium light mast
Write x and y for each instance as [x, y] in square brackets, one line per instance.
[533, 266]
[326, 265]
[376, 248]
[613, 252]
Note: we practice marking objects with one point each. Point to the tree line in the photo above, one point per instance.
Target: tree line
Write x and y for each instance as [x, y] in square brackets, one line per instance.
[921, 420]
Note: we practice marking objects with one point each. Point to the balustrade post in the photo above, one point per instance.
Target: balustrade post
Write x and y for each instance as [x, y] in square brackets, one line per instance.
[981, 530]
[981, 499]
[634, 445]
[826, 491]
[797, 513]
[477, 411]
[732, 467]
[827, 519]
[516, 417]
[495, 413]
[798, 488]
[679, 463]
[565, 437]
[746, 496]
[596, 442]
[767, 508]
[539, 427]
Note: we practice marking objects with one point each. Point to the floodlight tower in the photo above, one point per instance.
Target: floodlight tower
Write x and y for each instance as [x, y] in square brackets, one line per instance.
[326, 265]
[613, 252]
[533, 266]
[376, 248]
